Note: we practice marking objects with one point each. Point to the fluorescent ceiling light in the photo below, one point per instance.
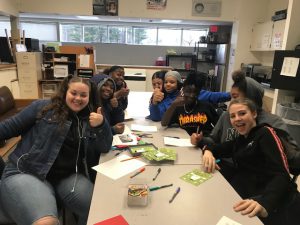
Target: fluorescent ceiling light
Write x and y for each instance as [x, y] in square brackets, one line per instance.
[88, 17]
[171, 21]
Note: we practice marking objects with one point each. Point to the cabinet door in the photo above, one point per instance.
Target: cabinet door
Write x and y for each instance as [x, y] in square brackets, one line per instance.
[261, 36]
[277, 35]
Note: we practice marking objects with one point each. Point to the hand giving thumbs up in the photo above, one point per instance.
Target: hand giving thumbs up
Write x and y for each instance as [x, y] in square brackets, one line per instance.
[96, 118]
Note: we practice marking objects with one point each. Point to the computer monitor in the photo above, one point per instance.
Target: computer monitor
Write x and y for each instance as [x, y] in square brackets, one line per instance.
[5, 53]
[280, 81]
[32, 44]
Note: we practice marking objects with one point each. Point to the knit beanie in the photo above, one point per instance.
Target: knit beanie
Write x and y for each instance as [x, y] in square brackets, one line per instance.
[174, 74]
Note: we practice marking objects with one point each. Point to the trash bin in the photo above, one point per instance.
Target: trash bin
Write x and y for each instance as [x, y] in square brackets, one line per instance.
[290, 113]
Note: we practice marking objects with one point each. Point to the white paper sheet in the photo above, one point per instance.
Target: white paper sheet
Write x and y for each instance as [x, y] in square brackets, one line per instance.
[226, 221]
[180, 142]
[84, 60]
[119, 140]
[137, 127]
[289, 67]
[115, 169]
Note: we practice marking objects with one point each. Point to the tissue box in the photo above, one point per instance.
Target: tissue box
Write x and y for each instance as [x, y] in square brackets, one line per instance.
[138, 195]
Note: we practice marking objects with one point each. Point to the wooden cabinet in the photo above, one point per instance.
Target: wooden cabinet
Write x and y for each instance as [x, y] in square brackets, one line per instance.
[267, 36]
[277, 35]
[75, 60]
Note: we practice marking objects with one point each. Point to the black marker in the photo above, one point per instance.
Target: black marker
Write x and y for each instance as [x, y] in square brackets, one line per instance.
[158, 172]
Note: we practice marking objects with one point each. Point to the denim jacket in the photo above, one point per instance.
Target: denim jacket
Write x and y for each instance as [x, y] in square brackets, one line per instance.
[42, 139]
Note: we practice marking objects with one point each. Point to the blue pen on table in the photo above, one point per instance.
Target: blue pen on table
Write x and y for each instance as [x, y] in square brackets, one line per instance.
[174, 195]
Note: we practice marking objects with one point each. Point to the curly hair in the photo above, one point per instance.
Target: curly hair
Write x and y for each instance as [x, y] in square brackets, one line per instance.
[239, 80]
[58, 101]
[196, 79]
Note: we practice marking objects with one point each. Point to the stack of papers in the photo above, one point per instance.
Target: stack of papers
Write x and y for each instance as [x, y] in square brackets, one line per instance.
[124, 139]
[137, 127]
[127, 138]
[160, 154]
[180, 142]
[115, 169]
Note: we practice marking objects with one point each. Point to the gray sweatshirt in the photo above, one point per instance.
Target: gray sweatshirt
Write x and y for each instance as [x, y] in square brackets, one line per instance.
[223, 130]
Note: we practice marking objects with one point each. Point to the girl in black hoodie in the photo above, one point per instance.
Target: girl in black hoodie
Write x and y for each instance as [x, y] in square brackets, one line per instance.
[261, 176]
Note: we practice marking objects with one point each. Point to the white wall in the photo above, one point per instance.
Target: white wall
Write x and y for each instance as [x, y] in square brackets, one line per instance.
[67, 7]
[247, 14]
[176, 9]
[8, 7]
[275, 5]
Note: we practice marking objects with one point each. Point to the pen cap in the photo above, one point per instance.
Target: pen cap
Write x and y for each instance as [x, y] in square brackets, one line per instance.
[138, 195]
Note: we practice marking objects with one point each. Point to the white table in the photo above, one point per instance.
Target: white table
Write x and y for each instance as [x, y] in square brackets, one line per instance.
[204, 204]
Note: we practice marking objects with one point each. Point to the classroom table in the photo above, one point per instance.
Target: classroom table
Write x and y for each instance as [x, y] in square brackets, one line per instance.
[185, 155]
[204, 204]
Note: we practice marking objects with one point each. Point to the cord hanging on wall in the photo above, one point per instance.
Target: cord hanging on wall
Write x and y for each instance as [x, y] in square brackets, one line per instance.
[206, 8]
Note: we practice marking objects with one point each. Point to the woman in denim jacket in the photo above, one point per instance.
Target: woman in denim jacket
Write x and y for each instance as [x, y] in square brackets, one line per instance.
[62, 139]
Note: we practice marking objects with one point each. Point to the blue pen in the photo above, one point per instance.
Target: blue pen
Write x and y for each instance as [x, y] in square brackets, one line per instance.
[174, 195]
[218, 160]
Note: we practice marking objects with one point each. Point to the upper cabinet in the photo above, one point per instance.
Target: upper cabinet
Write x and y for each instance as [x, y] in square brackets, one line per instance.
[267, 36]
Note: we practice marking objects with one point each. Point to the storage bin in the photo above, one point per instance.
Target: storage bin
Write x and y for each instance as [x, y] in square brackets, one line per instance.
[290, 113]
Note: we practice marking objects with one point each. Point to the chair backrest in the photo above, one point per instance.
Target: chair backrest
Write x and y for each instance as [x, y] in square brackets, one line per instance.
[7, 101]
[2, 165]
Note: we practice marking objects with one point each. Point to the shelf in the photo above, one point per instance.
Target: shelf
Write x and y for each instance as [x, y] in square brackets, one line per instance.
[184, 70]
[182, 62]
[63, 62]
[67, 61]
[212, 43]
[205, 61]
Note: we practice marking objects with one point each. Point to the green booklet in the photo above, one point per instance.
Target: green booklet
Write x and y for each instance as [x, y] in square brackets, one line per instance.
[160, 154]
[196, 177]
[139, 149]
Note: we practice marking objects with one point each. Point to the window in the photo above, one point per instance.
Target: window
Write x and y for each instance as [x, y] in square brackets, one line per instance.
[93, 33]
[189, 37]
[70, 33]
[144, 36]
[105, 32]
[4, 25]
[116, 34]
[41, 31]
[170, 37]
